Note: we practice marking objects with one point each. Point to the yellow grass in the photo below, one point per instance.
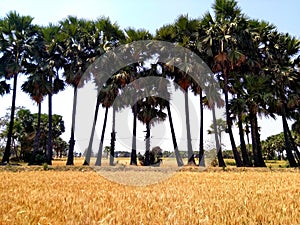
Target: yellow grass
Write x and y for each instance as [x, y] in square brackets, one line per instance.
[77, 197]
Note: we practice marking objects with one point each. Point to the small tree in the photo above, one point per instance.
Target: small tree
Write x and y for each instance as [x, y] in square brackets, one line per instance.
[155, 157]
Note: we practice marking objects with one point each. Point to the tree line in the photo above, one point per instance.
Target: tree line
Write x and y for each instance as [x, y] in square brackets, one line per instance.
[256, 66]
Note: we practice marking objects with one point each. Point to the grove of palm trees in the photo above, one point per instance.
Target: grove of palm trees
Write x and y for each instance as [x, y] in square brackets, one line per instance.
[255, 65]
[162, 127]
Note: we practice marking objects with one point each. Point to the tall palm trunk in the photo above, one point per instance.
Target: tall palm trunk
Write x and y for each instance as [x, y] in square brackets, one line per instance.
[218, 145]
[191, 159]
[89, 149]
[147, 138]
[177, 154]
[293, 144]
[6, 155]
[49, 141]
[113, 138]
[133, 159]
[248, 139]
[70, 160]
[256, 147]
[201, 149]
[245, 156]
[236, 154]
[288, 146]
[99, 155]
[37, 137]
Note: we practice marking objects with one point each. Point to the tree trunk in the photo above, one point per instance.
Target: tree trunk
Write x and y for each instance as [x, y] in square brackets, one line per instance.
[248, 139]
[236, 154]
[90, 146]
[256, 148]
[201, 149]
[38, 130]
[245, 156]
[177, 154]
[50, 142]
[147, 141]
[293, 144]
[288, 146]
[6, 155]
[36, 142]
[191, 159]
[70, 160]
[99, 155]
[218, 145]
[133, 160]
[113, 138]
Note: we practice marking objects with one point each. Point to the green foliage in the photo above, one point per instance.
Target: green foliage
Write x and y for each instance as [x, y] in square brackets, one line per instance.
[155, 157]
[274, 146]
[24, 131]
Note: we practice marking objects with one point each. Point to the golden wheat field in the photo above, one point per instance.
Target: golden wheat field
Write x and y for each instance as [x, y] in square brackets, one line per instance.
[82, 196]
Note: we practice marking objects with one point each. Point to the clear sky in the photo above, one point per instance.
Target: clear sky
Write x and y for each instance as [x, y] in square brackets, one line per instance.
[148, 14]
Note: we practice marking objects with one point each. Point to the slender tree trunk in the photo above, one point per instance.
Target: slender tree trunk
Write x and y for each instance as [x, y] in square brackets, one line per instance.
[6, 155]
[177, 154]
[147, 141]
[36, 141]
[201, 149]
[50, 142]
[99, 155]
[113, 138]
[248, 139]
[236, 154]
[90, 146]
[245, 156]
[256, 148]
[288, 146]
[218, 145]
[293, 144]
[70, 160]
[133, 160]
[191, 159]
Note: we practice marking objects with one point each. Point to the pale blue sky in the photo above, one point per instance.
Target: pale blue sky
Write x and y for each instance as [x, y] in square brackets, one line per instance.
[149, 14]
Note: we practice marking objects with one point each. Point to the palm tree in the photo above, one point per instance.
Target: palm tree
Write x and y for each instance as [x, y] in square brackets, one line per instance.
[79, 54]
[149, 112]
[256, 99]
[107, 36]
[228, 41]
[19, 40]
[184, 32]
[220, 128]
[106, 96]
[53, 62]
[37, 87]
[237, 107]
[284, 83]
[133, 72]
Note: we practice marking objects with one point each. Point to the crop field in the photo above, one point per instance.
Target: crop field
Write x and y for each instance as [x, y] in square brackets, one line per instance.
[215, 196]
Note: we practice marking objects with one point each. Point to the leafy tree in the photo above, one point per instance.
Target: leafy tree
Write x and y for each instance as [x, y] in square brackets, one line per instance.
[221, 33]
[155, 157]
[53, 61]
[221, 127]
[284, 82]
[107, 36]
[78, 53]
[37, 87]
[24, 132]
[19, 42]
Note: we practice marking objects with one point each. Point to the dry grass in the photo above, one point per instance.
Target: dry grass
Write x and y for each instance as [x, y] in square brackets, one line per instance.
[216, 197]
